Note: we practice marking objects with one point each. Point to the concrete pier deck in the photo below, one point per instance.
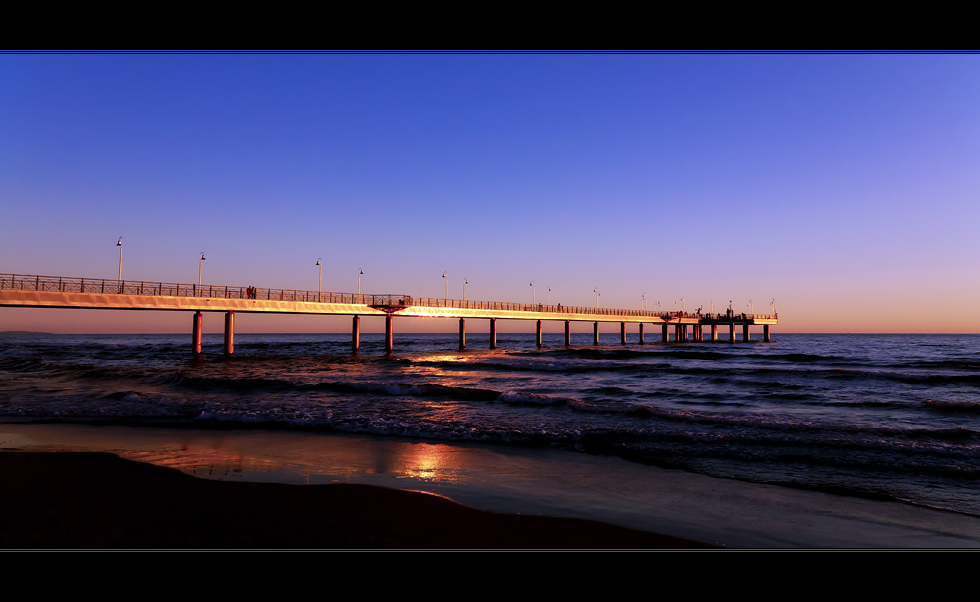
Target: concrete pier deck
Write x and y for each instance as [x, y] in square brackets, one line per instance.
[17, 290]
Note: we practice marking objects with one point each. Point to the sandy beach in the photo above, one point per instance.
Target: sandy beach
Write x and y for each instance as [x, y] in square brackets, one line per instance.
[62, 497]
[122, 487]
[98, 500]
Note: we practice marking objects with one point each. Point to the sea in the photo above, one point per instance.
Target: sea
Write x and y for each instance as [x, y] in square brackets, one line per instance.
[871, 417]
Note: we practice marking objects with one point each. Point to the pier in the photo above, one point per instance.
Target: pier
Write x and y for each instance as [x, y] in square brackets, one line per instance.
[17, 290]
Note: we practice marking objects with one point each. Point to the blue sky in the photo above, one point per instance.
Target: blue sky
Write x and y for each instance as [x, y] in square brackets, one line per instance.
[844, 187]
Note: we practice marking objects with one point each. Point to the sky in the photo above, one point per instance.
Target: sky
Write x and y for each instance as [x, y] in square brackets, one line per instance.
[841, 188]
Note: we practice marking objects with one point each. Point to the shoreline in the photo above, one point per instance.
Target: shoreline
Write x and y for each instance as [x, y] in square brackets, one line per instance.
[75, 500]
[531, 482]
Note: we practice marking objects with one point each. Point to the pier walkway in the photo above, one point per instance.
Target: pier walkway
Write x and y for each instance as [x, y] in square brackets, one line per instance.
[17, 290]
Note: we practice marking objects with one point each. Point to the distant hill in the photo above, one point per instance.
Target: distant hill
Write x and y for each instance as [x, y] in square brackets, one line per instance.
[3, 332]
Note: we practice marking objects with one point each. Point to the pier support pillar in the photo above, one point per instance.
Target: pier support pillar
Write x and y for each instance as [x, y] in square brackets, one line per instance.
[196, 337]
[493, 333]
[678, 333]
[462, 333]
[765, 333]
[714, 333]
[389, 338]
[622, 333]
[355, 335]
[595, 333]
[568, 333]
[666, 333]
[538, 336]
[641, 333]
[229, 333]
[731, 332]
[745, 333]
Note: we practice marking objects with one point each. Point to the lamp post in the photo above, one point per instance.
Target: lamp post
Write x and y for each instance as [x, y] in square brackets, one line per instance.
[447, 285]
[119, 244]
[200, 267]
[319, 280]
[596, 291]
[643, 301]
[751, 312]
[465, 282]
[532, 292]
[547, 297]
[773, 303]
[360, 272]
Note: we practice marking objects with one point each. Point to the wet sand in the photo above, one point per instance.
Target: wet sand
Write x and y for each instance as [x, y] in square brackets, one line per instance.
[260, 488]
[99, 500]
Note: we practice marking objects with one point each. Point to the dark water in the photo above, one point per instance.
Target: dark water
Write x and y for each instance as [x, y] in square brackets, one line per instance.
[883, 416]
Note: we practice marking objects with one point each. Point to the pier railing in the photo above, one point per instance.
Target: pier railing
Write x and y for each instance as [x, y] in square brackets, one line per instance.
[169, 289]
[573, 309]
[540, 307]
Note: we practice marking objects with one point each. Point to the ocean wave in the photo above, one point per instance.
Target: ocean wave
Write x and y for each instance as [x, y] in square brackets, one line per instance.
[954, 406]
